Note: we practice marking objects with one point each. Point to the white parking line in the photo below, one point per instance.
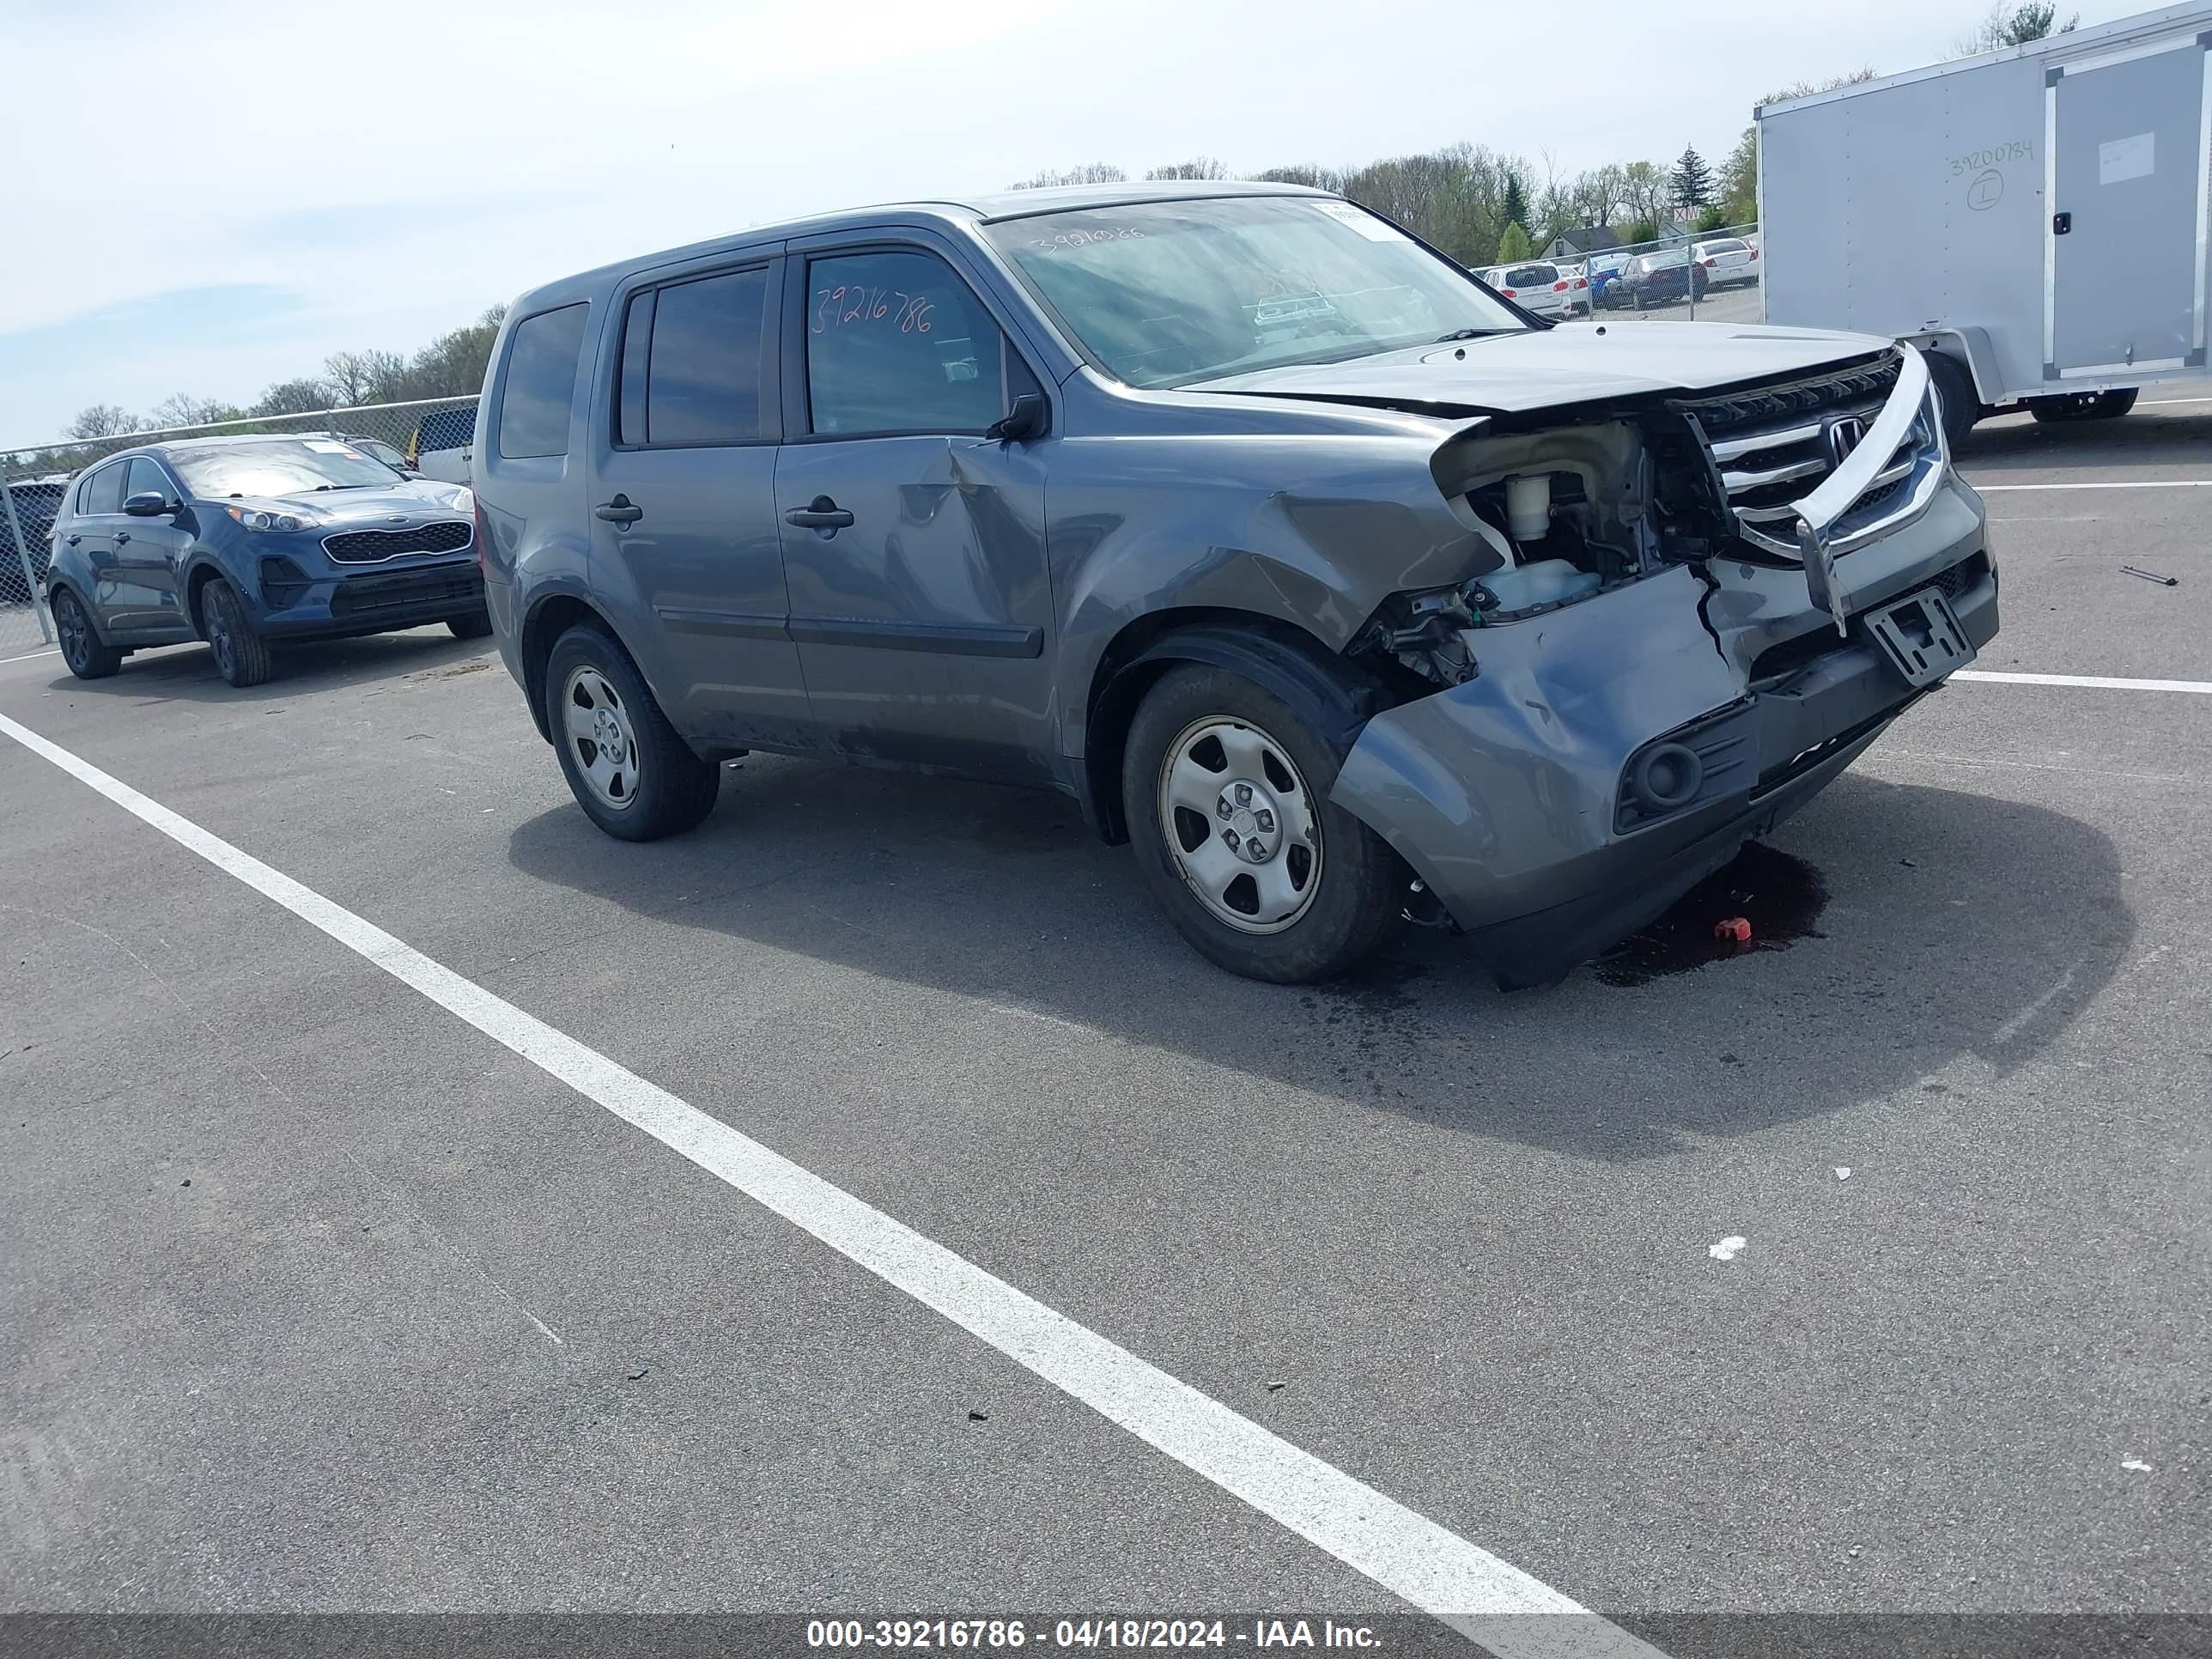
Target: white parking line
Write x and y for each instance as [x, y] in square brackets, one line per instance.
[2154, 403]
[52, 650]
[1490, 1600]
[2124, 483]
[2094, 682]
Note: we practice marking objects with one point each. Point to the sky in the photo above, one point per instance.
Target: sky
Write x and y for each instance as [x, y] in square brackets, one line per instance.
[274, 183]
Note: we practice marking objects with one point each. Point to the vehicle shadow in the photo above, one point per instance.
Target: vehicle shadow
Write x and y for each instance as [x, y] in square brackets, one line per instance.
[2150, 437]
[1964, 934]
[186, 673]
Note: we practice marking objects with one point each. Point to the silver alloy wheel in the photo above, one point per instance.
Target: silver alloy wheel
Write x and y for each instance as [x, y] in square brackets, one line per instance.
[600, 737]
[1242, 826]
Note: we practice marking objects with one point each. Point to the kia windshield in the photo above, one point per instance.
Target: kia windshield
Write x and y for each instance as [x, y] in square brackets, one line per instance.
[286, 466]
[1168, 294]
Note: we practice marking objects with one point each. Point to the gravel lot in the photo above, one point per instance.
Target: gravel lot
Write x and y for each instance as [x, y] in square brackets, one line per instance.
[316, 1297]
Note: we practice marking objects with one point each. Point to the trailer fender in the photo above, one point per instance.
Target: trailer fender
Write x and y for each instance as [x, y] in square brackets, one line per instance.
[1971, 348]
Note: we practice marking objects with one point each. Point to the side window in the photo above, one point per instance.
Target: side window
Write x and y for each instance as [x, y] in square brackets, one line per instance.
[691, 362]
[895, 342]
[540, 384]
[103, 491]
[146, 478]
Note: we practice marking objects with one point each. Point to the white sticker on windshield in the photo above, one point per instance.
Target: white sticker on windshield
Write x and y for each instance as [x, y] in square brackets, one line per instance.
[2127, 158]
[325, 446]
[1374, 229]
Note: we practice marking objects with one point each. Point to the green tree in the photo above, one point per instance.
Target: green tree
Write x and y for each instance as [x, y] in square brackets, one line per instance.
[1715, 217]
[1514, 246]
[1693, 181]
[1513, 210]
[1641, 230]
[2033, 19]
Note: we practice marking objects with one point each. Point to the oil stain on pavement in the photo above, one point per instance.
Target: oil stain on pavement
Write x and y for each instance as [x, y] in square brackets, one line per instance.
[1780, 896]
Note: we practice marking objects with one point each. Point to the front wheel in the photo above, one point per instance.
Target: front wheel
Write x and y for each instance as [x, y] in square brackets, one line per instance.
[241, 656]
[629, 771]
[2083, 406]
[86, 657]
[1225, 788]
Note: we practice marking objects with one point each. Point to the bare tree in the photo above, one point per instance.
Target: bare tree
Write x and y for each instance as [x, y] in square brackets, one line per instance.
[101, 421]
[1198, 167]
[182, 409]
[1090, 173]
[301, 397]
[363, 377]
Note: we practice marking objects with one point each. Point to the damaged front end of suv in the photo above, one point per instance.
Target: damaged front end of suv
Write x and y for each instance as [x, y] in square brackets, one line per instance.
[1704, 606]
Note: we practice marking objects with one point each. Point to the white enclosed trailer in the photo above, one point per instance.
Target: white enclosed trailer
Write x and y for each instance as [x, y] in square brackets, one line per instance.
[2037, 218]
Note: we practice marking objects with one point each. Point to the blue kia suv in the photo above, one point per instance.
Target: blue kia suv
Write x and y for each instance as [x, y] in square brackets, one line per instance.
[240, 541]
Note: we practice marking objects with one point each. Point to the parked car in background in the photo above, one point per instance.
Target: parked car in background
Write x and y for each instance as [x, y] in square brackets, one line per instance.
[444, 444]
[1536, 287]
[383, 452]
[1579, 299]
[1604, 272]
[1660, 278]
[35, 501]
[1728, 262]
[1341, 599]
[241, 541]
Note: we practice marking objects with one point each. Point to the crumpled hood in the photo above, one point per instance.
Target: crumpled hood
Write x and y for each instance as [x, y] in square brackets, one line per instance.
[1572, 363]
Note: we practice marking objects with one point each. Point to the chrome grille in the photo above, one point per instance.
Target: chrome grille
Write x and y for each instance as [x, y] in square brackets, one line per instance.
[374, 546]
[1774, 444]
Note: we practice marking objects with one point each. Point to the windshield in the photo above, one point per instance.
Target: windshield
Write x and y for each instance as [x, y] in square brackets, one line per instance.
[1166, 294]
[287, 466]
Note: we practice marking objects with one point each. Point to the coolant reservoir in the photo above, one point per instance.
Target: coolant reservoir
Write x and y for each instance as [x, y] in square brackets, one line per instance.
[1545, 582]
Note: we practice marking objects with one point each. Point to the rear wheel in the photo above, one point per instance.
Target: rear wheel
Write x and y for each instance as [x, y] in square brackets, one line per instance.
[629, 771]
[474, 626]
[2083, 406]
[88, 658]
[241, 656]
[1225, 789]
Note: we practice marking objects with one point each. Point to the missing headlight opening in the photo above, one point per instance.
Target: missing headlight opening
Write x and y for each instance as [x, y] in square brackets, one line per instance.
[1566, 514]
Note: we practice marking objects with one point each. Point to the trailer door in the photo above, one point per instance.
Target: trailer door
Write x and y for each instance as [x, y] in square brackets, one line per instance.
[2126, 139]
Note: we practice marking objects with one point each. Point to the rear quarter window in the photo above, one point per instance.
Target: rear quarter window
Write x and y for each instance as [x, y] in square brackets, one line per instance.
[540, 384]
[446, 429]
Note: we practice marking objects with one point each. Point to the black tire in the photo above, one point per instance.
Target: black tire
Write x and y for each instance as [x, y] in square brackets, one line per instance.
[1362, 883]
[674, 790]
[474, 626]
[2083, 406]
[82, 650]
[241, 656]
[1637, 295]
[1954, 386]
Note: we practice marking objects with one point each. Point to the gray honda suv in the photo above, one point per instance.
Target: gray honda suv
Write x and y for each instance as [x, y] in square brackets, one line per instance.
[1340, 586]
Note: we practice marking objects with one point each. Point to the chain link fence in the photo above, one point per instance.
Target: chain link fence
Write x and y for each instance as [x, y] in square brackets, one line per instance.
[434, 436]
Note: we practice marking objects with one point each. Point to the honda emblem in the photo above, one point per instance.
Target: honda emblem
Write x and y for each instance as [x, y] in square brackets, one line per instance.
[1843, 436]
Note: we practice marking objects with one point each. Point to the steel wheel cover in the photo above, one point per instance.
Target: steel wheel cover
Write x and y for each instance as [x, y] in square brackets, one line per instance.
[1241, 824]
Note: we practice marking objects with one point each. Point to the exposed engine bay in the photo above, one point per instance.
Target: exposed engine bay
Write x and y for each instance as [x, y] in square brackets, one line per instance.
[1568, 514]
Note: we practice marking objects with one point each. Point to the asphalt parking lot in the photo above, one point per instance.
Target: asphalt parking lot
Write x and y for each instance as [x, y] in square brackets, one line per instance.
[318, 1297]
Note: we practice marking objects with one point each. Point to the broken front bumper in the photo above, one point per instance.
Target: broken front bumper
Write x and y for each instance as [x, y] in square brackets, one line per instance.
[1509, 795]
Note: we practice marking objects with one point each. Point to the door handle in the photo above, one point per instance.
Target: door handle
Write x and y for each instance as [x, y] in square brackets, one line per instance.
[619, 511]
[121, 537]
[820, 513]
[72, 540]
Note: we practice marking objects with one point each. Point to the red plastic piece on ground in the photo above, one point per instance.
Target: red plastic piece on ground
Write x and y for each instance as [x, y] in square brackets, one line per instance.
[1736, 929]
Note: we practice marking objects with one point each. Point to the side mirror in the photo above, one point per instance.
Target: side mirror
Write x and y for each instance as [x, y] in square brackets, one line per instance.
[148, 504]
[1026, 419]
